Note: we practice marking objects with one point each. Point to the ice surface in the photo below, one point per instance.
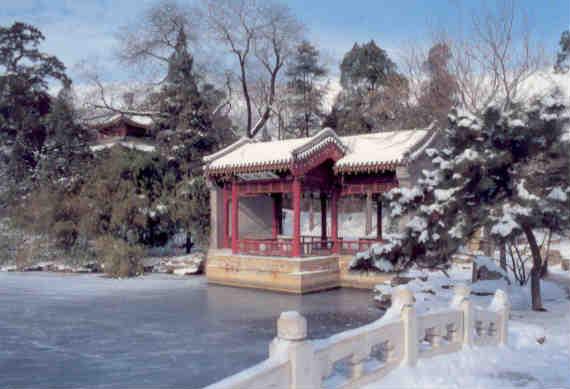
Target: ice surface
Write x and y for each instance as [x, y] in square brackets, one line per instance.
[158, 331]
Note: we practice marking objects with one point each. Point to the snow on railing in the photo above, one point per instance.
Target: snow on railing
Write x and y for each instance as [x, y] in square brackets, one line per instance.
[364, 355]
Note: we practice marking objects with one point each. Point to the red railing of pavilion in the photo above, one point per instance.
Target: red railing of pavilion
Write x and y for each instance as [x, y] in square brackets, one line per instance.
[310, 246]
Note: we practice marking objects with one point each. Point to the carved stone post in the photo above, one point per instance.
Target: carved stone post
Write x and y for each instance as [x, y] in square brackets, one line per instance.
[292, 343]
[502, 306]
[462, 302]
[404, 298]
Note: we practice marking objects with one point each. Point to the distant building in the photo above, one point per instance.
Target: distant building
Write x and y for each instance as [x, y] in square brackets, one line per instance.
[130, 131]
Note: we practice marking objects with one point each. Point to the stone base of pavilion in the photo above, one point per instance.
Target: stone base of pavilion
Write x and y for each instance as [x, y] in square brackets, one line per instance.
[289, 275]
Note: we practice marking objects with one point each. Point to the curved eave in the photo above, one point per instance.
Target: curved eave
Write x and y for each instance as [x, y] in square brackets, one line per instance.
[369, 167]
[226, 170]
[116, 121]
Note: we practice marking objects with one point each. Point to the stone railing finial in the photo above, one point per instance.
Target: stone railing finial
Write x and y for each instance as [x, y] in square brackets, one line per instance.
[461, 294]
[291, 325]
[402, 296]
[500, 300]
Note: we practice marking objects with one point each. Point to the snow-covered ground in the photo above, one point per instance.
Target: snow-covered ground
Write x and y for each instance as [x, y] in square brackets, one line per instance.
[537, 356]
[538, 353]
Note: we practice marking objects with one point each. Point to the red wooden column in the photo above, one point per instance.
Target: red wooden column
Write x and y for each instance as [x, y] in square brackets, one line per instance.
[296, 243]
[235, 215]
[226, 217]
[323, 220]
[334, 221]
[277, 226]
[378, 219]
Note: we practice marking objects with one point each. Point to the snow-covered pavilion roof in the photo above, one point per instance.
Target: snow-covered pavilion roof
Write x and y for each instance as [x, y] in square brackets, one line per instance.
[366, 152]
[143, 121]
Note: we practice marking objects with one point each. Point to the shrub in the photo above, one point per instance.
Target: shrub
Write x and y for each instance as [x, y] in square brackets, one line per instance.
[119, 258]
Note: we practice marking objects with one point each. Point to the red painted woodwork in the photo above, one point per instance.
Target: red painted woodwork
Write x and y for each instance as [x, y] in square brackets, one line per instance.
[379, 219]
[120, 129]
[235, 215]
[312, 174]
[265, 187]
[330, 151]
[277, 226]
[379, 187]
[283, 247]
[296, 249]
[226, 217]
[308, 246]
[323, 218]
[274, 248]
[334, 221]
[354, 246]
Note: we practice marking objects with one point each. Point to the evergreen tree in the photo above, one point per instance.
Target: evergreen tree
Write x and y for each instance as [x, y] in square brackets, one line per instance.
[305, 94]
[65, 151]
[366, 67]
[374, 95]
[507, 172]
[186, 134]
[563, 57]
[24, 100]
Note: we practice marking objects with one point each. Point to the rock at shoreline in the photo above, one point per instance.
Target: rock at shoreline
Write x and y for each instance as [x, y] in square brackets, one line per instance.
[53, 266]
[182, 265]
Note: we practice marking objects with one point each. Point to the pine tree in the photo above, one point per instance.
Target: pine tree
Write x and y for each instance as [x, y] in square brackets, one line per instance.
[65, 152]
[507, 172]
[186, 134]
[563, 57]
[366, 67]
[24, 100]
[305, 94]
[374, 95]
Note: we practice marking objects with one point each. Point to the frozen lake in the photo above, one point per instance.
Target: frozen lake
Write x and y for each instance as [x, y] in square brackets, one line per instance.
[85, 331]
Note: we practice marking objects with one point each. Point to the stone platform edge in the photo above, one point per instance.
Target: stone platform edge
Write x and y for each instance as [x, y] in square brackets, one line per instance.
[289, 275]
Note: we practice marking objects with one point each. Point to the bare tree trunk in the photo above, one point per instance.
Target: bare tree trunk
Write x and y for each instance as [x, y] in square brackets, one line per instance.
[544, 267]
[189, 243]
[535, 271]
[489, 248]
[246, 96]
[503, 256]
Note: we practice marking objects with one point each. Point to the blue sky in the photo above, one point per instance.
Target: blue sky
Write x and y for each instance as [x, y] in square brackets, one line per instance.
[79, 30]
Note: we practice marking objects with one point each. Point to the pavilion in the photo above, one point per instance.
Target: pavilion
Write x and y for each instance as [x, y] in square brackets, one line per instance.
[252, 182]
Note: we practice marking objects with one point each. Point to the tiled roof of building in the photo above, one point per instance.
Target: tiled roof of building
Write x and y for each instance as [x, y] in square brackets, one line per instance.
[367, 152]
